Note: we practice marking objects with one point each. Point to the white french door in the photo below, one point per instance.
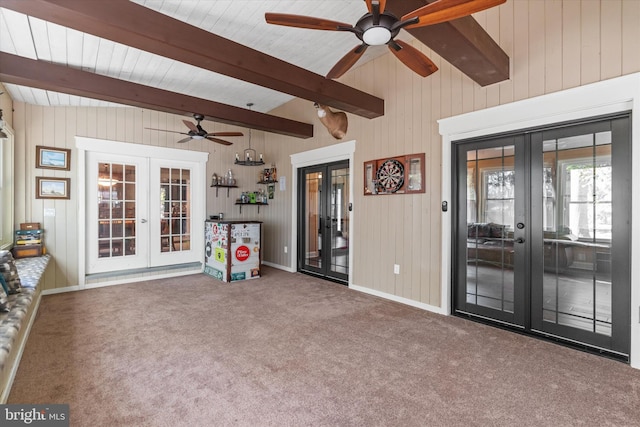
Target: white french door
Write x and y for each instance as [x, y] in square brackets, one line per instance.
[171, 213]
[142, 211]
[117, 205]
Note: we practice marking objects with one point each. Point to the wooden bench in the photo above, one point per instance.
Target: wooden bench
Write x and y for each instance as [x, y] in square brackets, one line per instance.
[15, 324]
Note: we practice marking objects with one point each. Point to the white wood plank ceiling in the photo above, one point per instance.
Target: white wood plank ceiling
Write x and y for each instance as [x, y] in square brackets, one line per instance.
[241, 21]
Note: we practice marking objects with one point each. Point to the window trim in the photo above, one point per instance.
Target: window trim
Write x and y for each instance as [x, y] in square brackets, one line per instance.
[7, 188]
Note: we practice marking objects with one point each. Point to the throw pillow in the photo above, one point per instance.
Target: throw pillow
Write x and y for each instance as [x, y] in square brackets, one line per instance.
[4, 301]
[10, 272]
[4, 284]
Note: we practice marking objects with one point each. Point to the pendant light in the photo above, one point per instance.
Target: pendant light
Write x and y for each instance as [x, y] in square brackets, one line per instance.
[249, 157]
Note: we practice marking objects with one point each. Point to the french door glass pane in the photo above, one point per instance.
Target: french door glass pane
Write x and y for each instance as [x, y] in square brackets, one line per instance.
[490, 221]
[175, 207]
[577, 232]
[116, 210]
[313, 234]
[340, 220]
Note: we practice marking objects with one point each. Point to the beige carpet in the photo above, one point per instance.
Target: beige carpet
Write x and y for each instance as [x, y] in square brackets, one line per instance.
[290, 350]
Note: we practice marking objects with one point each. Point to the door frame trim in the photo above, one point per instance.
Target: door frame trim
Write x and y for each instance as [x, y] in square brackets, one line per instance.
[318, 156]
[597, 99]
[85, 144]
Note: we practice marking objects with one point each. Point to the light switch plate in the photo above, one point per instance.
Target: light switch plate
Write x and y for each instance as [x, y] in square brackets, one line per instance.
[49, 212]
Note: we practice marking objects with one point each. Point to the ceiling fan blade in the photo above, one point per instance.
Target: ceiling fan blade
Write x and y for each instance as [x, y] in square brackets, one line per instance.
[184, 140]
[225, 134]
[219, 141]
[447, 10]
[172, 131]
[191, 126]
[370, 5]
[347, 61]
[412, 58]
[310, 22]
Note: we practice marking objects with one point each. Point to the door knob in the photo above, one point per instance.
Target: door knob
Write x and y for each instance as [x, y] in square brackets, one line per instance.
[144, 221]
[519, 240]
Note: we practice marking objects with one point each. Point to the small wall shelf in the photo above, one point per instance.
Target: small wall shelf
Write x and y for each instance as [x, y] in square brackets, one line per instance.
[217, 186]
[271, 181]
[251, 204]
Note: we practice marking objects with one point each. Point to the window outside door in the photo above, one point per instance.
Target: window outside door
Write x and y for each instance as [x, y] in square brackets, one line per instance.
[542, 218]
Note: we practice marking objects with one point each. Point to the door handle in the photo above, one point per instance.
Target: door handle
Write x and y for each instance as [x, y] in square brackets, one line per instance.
[519, 240]
[144, 221]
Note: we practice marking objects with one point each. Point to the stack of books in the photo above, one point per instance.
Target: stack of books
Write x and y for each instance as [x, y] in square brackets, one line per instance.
[29, 240]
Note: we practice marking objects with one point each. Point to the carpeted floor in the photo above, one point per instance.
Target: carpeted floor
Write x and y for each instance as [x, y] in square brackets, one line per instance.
[291, 350]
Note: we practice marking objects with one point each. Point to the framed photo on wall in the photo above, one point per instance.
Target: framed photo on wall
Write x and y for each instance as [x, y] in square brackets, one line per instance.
[52, 188]
[53, 158]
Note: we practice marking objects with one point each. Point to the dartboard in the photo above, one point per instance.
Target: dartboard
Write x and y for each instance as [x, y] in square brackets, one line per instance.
[390, 175]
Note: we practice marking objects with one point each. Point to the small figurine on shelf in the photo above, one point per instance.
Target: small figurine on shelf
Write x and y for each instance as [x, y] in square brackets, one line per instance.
[273, 175]
[214, 179]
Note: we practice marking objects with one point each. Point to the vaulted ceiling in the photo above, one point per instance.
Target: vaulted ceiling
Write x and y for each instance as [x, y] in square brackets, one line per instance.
[208, 56]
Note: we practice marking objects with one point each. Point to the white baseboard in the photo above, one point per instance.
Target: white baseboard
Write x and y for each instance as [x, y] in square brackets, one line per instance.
[62, 290]
[407, 301]
[20, 349]
[279, 267]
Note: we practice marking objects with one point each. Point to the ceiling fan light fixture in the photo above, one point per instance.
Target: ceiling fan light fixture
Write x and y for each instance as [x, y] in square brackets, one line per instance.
[376, 36]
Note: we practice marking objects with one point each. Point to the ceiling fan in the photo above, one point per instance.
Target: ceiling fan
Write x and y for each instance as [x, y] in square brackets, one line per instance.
[197, 132]
[378, 27]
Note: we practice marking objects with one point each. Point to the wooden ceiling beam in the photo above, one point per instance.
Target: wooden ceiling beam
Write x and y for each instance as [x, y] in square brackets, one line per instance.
[461, 42]
[45, 75]
[133, 25]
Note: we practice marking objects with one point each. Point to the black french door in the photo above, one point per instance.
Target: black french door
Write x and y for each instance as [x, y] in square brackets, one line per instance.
[541, 238]
[323, 221]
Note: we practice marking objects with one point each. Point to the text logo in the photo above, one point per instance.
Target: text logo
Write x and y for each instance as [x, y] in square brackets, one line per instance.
[35, 415]
[242, 253]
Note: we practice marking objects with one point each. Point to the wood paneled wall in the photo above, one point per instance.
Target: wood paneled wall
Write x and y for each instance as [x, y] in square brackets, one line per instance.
[553, 45]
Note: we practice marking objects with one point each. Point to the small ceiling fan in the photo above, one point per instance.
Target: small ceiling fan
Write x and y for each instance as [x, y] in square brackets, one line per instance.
[197, 132]
[378, 27]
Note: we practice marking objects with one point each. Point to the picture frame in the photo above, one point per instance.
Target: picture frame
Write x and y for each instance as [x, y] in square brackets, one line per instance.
[53, 158]
[53, 188]
[369, 177]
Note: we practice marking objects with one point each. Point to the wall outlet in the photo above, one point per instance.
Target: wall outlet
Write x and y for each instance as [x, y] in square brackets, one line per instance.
[286, 250]
[396, 268]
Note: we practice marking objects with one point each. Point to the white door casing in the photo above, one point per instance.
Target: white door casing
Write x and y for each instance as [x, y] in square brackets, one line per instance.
[149, 160]
[597, 99]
